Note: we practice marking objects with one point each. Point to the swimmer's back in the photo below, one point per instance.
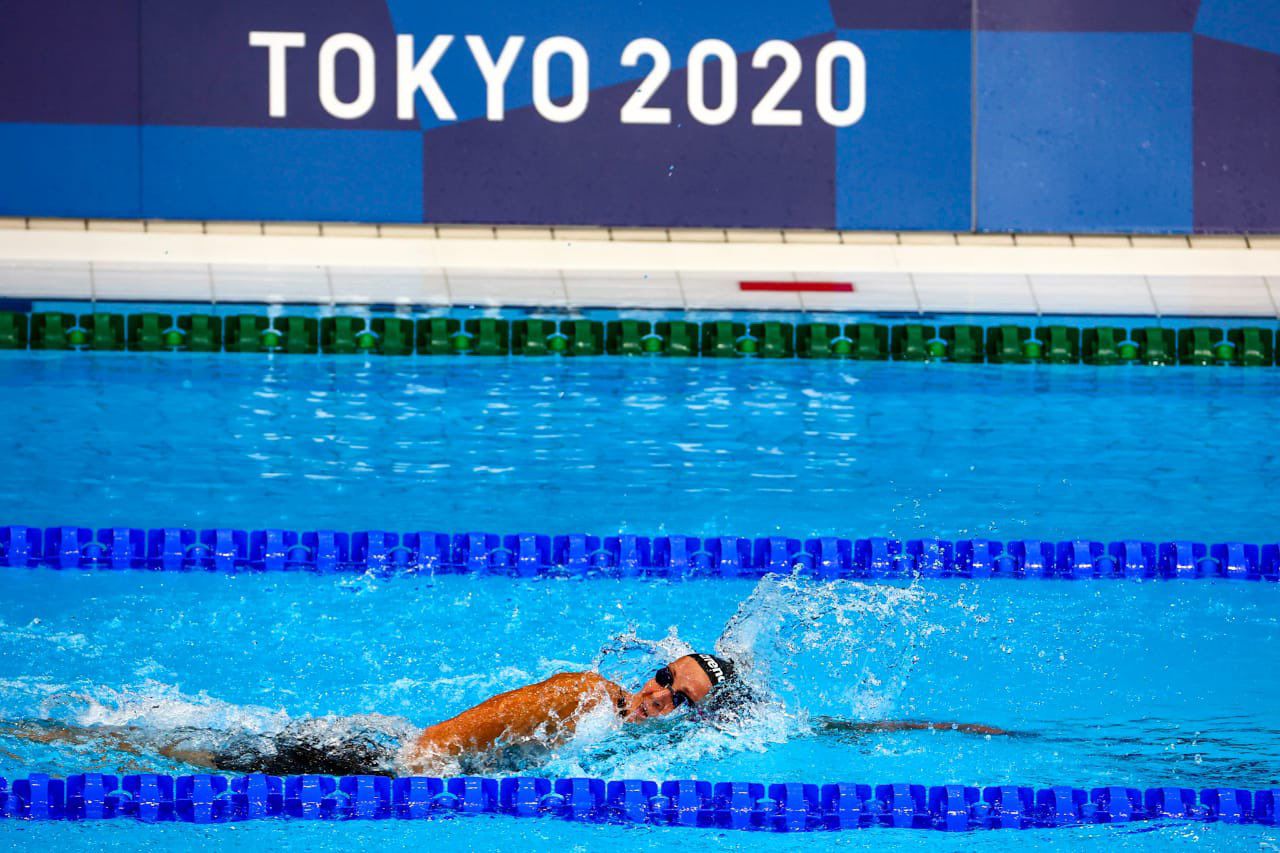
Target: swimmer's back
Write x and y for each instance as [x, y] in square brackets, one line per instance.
[555, 703]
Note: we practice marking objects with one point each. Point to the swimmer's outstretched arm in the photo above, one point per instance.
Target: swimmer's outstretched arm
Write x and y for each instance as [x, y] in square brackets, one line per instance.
[832, 724]
[49, 732]
[125, 739]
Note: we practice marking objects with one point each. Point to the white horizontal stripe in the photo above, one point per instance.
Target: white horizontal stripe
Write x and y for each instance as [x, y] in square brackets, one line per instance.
[624, 267]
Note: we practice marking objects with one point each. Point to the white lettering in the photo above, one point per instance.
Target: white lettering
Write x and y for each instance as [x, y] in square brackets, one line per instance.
[824, 73]
[276, 44]
[637, 110]
[698, 56]
[495, 74]
[580, 90]
[412, 77]
[839, 96]
[766, 112]
[365, 86]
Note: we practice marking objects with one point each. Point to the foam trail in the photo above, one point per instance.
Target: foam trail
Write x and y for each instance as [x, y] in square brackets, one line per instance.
[156, 718]
[803, 646]
[158, 706]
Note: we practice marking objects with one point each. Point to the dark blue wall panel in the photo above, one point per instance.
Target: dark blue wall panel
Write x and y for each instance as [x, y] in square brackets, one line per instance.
[69, 61]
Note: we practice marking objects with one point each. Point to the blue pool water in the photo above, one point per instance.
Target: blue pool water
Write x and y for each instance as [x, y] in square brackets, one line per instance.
[645, 446]
[1126, 683]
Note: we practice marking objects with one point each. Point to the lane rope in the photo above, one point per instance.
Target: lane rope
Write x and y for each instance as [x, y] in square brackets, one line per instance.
[791, 807]
[1008, 343]
[628, 556]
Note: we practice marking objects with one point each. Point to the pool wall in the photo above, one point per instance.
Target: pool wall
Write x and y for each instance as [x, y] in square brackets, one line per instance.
[672, 268]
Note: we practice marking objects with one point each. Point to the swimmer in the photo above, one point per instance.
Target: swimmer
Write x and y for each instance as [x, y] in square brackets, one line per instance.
[550, 710]
[536, 715]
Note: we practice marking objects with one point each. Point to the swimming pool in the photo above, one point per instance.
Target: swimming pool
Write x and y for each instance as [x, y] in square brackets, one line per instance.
[1127, 683]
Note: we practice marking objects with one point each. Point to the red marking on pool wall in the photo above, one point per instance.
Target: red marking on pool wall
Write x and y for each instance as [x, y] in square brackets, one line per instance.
[798, 286]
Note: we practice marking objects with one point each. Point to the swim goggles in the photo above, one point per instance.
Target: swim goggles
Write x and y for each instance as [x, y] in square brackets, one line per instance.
[665, 678]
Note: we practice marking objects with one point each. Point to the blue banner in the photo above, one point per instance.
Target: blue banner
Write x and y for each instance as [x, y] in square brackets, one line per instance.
[1019, 115]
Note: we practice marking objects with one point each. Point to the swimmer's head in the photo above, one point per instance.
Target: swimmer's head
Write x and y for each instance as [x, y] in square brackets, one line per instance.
[685, 681]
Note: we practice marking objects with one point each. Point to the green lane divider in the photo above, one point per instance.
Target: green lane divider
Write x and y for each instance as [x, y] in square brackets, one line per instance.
[1156, 346]
[1197, 346]
[1102, 345]
[150, 332]
[13, 330]
[106, 331]
[436, 336]
[1032, 348]
[245, 333]
[201, 332]
[51, 330]
[720, 339]
[964, 343]
[678, 337]
[1253, 347]
[774, 340]
[868, 341]
[489, 336]
[344, 335]
[1008, 343]
[914, 342]
[1061, 344]
[393, 335]
[292, 335]
[630, 337]
[820, 340]
[529, 337]
[584, 337]
[1005, 344]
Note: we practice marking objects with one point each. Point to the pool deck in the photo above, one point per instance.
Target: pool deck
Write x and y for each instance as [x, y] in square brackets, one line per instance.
[330, 264]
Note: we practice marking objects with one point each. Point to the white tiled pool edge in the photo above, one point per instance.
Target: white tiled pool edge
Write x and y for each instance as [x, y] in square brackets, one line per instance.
[642, 268]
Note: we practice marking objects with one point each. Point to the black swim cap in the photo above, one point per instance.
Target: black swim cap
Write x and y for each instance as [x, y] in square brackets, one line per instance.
[717, 669]
[730, 696]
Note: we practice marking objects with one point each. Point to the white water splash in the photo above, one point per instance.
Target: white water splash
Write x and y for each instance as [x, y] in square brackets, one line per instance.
[838, 642]
[153, 705]
[802, 646]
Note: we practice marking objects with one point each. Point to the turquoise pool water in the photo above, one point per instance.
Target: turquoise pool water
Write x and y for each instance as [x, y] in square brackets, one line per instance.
[697, 447]
[1125, 683]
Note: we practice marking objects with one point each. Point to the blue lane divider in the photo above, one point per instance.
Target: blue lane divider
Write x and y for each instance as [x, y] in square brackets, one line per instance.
[792, 807]
[577, 554]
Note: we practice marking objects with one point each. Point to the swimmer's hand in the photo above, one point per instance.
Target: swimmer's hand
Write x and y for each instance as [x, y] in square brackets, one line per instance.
[835, 725]
[49, 732]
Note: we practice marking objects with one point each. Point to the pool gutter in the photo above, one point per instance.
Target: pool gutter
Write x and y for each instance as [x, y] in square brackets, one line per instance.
[331, 264]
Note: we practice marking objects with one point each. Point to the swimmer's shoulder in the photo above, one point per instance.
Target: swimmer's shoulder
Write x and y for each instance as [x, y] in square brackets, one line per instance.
[583, 680]
[583, 683]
